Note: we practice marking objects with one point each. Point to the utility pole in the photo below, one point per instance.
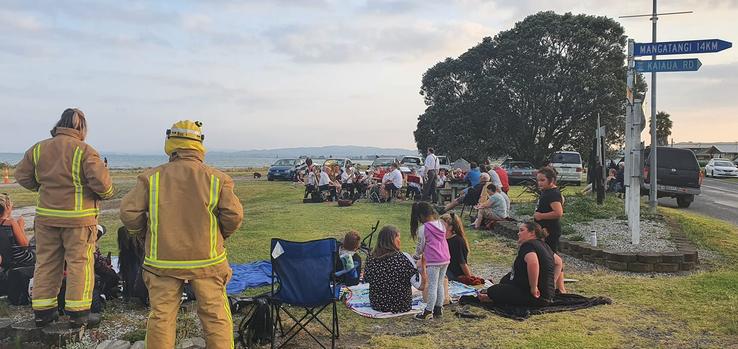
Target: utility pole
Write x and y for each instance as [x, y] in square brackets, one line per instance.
[652, 201]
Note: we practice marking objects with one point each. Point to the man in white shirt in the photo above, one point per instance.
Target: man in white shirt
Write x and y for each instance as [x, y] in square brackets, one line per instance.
[495, 178]
[347, 179]
[325, 183]
[392, 182]
[432, 165]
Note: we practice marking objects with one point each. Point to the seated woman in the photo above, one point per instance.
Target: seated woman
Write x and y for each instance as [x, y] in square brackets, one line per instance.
[414, 185]
[494, 208]
[458, 247]
[21, 253]
[388, 272]
[531, 282]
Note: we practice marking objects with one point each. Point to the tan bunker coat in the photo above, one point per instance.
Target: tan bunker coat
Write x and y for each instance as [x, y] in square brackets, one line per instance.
[70, 179]
[186, 210]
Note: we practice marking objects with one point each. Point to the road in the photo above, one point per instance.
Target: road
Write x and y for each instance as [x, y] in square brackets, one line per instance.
[719, 199]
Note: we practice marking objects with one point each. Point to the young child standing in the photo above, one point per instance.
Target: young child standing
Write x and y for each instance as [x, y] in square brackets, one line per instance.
[429, 231]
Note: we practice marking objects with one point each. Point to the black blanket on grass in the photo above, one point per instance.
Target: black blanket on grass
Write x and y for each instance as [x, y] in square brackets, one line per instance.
[561, 302]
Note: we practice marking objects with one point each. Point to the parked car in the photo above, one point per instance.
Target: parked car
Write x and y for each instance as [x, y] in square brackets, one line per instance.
[569, 166]
[380, 166]
[678, 174]
[411, 162]
[519, 171]
[444, 162]
[720, 168]
[284, 169]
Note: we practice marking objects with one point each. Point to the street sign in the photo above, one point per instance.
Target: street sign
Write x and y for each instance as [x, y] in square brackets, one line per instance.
[668, 65]
[681, 47]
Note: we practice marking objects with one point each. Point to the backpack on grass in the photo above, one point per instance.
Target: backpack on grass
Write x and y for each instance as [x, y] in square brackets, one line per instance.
[256, 326]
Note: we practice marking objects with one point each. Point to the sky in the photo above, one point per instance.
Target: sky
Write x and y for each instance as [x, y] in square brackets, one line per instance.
[279, 73]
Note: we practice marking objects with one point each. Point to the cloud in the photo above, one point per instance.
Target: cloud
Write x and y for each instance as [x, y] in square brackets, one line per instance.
[20, 21]
[196, 22]
[96, 11]
[392, 7]
[359, 42]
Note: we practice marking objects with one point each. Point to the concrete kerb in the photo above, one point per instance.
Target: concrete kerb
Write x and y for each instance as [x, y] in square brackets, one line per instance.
[685, 258]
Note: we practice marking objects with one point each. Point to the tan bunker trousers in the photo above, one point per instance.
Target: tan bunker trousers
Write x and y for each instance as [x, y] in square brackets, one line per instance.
[165, 294]
[54, 246]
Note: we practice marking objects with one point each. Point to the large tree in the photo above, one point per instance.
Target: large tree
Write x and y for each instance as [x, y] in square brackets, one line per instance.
[529, 91]
[663, 128]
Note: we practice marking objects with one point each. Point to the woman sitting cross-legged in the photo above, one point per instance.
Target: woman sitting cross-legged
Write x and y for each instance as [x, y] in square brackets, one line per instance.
[388, 272]
[458, 247]
[531, 282]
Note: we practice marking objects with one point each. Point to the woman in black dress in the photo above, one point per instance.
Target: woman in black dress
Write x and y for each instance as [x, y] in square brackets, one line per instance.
[531, 281]
[388, 272]
[549, 212]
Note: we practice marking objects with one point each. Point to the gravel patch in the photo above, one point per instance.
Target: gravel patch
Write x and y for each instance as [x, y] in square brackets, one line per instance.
[613, 234]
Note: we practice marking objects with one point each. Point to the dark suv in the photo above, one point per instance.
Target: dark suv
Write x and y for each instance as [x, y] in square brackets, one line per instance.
[678, 175]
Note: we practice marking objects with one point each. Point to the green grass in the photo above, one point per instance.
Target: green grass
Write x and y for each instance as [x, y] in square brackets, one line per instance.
[694, 310]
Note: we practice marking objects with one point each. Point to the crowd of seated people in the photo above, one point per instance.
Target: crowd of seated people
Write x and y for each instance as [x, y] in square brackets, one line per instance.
[442, 247]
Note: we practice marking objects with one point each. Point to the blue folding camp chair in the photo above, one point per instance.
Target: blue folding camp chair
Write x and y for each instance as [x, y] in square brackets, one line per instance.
[305, 272]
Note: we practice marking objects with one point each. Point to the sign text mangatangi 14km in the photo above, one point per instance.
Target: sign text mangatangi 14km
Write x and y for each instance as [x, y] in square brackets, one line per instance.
[681, 47]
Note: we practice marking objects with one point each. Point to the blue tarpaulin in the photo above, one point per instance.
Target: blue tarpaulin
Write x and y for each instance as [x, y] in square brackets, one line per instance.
[250, 275]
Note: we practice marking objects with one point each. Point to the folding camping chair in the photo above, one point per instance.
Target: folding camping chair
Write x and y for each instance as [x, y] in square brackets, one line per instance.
[305, 272]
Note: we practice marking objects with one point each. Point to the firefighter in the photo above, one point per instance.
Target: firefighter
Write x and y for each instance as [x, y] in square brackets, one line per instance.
[70, 179]
[186, 210]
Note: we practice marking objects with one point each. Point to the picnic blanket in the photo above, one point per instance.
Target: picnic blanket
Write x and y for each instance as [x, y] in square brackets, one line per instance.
[561, 302]
[249, 275]
[357, 299]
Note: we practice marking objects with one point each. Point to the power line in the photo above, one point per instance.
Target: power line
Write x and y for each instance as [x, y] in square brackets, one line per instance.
[658, 14]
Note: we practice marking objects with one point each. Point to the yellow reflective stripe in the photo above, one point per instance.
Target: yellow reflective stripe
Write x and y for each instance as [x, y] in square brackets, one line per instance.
[48, 212]
[78, 189]
[107, 193]
[89, 275]
[227, 307]
[154, 214]
[194, 264]
[36, 153]
[212, 204]
[78, 305]
[36, 156]
[43, 303]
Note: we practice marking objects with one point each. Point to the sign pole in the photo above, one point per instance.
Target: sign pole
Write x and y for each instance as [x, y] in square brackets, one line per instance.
[632, 165]
[653, 171]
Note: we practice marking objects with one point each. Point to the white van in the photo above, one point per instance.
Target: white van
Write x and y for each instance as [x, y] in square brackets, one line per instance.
[569, 166]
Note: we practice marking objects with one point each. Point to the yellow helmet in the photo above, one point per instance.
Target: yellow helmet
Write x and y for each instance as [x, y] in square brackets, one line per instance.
[185, 134]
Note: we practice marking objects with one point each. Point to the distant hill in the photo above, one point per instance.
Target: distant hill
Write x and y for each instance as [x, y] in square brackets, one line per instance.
[335, 151]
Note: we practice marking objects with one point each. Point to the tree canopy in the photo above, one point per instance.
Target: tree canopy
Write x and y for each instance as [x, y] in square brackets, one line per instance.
[529, 91]
[663, 128]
